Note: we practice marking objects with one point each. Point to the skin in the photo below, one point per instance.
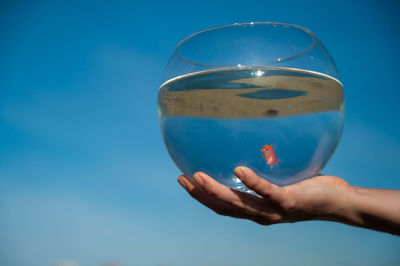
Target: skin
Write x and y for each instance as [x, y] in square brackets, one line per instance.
[318, 198]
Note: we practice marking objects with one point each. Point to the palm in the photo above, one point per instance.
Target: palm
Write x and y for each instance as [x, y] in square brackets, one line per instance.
[302, 201]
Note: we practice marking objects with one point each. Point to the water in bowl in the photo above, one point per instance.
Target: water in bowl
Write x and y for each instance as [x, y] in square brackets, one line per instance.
[214, 121]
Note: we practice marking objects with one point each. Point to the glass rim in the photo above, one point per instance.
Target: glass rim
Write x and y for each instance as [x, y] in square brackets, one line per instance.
[250, 67]
[304, 29]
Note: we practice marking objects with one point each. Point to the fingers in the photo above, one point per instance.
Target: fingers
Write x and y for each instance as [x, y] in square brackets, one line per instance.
[260, 185]
[245, 202]
[202, 196]
[218, 206]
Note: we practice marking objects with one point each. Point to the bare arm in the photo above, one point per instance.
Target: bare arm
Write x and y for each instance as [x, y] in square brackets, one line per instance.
[319, 198]
[377, 209]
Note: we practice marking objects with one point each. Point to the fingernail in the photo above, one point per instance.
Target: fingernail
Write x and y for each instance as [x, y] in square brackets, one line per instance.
[199, 180]
[239, 172]
[182, 182]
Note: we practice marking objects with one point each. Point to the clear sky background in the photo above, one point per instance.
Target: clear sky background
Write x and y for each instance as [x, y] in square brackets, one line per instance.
[84, 176]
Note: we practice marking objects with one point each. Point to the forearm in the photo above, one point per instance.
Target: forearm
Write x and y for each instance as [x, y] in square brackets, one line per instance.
[376, 209]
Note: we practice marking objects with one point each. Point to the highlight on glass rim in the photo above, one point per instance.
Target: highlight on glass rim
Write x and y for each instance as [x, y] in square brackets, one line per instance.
[264, 95]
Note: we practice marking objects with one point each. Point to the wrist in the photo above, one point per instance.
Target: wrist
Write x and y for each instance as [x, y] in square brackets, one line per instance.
[322, 198]
[344, 208]
[337, 201]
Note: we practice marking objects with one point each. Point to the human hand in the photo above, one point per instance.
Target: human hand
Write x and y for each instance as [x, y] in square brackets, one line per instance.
[321, 197]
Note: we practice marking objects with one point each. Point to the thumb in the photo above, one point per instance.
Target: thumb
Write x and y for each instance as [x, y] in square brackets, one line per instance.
[261, 186]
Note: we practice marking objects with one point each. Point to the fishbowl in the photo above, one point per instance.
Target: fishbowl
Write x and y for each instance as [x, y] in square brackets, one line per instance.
[263, 95]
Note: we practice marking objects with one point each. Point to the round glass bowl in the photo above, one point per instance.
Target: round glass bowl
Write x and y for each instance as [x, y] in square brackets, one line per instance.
[264, 95]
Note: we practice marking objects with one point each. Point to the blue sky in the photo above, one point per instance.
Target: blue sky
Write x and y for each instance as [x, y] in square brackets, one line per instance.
[84, 176]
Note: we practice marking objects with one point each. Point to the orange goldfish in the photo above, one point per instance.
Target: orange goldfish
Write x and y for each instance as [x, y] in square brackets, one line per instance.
[269, 155]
